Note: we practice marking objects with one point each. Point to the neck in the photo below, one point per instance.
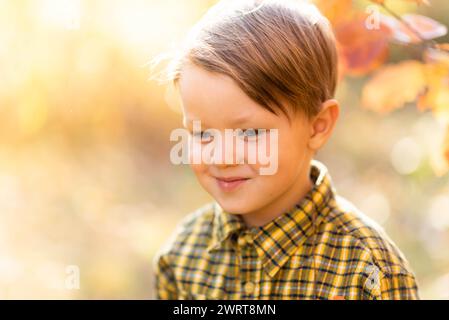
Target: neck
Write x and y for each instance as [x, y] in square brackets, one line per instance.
[303, 184]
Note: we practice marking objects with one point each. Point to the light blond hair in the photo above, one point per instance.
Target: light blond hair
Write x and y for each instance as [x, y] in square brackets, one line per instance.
[281, 53]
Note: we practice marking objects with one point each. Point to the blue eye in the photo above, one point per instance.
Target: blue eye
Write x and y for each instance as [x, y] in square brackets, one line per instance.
[204, 136]
[251, 133]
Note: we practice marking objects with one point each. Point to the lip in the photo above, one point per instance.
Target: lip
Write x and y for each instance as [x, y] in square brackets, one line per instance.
[230, 183]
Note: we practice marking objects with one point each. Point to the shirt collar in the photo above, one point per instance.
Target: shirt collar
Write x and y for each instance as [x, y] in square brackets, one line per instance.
[276, 241]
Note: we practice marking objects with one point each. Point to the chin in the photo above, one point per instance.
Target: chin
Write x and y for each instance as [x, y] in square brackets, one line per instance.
[234, 207]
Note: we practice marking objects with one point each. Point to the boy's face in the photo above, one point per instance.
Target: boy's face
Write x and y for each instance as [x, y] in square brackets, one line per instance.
[218, 102]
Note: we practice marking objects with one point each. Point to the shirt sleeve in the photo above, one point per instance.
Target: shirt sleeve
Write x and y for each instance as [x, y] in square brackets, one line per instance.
[390, 283]
[400, 286]
[164, 279]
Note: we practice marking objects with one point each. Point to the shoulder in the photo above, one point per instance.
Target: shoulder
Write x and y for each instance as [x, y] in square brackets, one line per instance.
[193, 232]
[364, 243]
[365, 234]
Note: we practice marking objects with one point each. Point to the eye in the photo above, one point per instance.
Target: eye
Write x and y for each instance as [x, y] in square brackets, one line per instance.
[203, 136]
[251, 134]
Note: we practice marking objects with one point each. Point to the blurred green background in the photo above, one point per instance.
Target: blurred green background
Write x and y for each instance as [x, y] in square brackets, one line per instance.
[85, 176]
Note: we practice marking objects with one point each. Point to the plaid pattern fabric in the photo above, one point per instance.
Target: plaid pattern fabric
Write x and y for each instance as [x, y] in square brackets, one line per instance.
[323, 248]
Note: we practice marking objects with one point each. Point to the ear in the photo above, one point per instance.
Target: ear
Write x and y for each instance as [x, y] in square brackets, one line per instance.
[323, 124]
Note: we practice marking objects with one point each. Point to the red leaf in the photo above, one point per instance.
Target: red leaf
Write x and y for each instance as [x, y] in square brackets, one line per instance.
[361, 49]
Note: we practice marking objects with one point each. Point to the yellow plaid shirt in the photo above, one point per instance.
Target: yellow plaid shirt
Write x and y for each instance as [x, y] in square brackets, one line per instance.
[323, 248]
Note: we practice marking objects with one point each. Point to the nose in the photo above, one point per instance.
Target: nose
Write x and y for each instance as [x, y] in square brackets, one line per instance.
[225, 153]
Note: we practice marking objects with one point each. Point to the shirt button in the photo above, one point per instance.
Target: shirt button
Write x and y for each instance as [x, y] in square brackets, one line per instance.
[245, 239]
[249, 287]
[241, 241]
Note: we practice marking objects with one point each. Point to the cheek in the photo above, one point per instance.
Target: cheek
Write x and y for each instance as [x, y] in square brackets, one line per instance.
[291, 152]
[293, 144]
[268, 187]
[203, 177]
[263, 151]
[290, 162]
[199, 169]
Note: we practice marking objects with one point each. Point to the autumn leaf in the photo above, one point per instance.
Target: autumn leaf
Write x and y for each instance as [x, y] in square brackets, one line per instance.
[362, 50]
[393, 86]
[436, 71]
[436, 97]
[414, 28]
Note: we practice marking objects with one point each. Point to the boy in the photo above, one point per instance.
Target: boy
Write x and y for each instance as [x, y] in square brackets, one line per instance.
[253, 66]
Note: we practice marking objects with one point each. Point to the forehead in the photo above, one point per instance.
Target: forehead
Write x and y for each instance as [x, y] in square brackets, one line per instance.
[216, 99]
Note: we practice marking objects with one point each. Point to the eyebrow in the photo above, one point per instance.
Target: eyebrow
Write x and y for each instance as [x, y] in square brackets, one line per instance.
[242, 119]
[239, 120]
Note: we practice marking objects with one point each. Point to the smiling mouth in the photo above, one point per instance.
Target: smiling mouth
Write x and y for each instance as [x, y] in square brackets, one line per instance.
[230, 183]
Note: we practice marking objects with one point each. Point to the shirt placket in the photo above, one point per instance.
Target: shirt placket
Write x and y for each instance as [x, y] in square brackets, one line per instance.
[250, 266]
